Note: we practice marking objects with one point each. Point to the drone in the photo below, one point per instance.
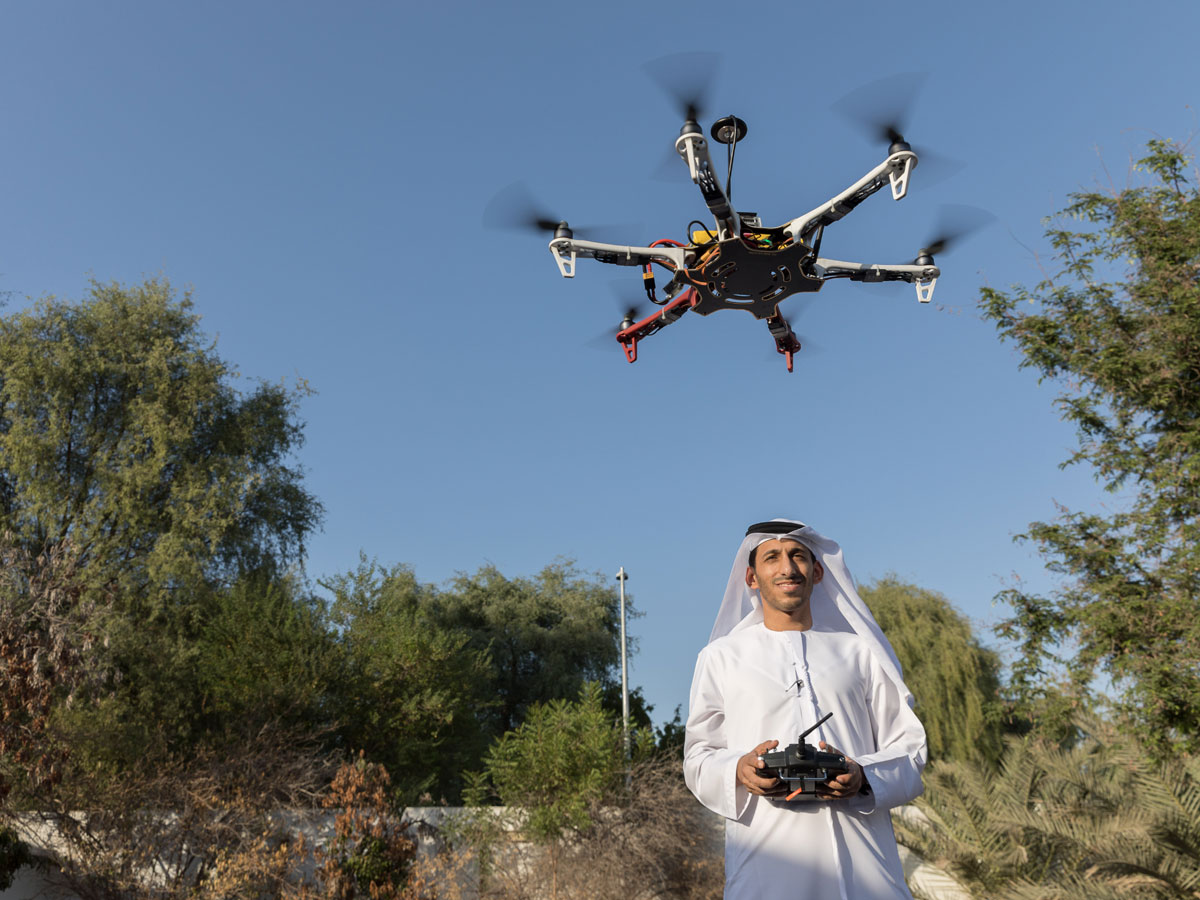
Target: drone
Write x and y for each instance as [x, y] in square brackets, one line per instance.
[740, 263]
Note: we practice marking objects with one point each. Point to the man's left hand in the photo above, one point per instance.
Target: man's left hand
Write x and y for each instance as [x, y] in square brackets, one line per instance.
[845, 785]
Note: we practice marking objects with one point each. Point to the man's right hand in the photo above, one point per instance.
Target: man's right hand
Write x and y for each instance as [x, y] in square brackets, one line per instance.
[748, 772]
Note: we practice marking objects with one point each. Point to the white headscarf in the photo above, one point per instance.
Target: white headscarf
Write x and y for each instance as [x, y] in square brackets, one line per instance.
[835, 603]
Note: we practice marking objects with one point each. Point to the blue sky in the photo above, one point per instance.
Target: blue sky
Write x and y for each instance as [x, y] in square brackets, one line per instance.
[316, 174]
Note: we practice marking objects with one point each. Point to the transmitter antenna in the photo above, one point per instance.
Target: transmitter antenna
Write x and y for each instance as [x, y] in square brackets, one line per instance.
[821, 721]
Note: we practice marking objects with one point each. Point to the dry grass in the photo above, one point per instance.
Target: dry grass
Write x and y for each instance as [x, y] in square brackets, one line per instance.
[657, 844]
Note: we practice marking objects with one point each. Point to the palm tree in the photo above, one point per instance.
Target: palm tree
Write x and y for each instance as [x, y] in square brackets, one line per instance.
[1092, 821]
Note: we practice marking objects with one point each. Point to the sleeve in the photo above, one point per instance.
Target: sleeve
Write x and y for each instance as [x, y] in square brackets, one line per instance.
[709, 766]
[894, 770]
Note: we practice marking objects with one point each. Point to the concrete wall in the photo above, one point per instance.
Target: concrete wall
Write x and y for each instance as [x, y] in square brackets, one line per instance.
[45, 884]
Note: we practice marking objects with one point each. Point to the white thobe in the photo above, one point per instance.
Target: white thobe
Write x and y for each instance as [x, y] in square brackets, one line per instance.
[756, 685]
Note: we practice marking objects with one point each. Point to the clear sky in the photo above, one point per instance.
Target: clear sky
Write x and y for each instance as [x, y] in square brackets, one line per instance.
[316, 174]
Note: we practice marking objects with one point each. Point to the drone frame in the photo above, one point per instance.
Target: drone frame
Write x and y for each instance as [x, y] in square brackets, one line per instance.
[744, 265]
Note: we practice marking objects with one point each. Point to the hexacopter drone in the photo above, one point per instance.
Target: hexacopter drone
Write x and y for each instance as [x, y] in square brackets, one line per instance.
[741, 263]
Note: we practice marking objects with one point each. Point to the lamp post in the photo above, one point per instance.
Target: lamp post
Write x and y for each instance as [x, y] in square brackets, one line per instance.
[622, 577]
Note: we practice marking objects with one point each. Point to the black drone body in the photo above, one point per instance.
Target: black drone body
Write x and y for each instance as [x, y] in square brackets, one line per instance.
[740, 263]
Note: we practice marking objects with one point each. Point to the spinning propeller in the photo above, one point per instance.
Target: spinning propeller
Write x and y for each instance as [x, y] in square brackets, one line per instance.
[882, 110]
[628, 301]
[686, 79]
[514, 208]
[955, 223]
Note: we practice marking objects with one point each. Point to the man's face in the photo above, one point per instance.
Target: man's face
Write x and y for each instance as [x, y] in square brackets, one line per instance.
[784, 573]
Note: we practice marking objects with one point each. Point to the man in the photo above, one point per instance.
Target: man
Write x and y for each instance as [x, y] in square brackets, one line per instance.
[792, 642]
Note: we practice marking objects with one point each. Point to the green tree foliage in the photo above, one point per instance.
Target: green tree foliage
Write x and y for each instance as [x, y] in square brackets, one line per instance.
[955, 681]
[545, 636]
[610, 830]
[124, 437]
[120, 429]
[413, 690]
[266, 652]
[434, 675]
[1097, 821]
[260, 653]
[1117, 325]
[562, 761]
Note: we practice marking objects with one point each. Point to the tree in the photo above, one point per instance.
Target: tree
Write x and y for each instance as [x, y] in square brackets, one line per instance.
[265, 653]
[610, 830]
[121, 429]
[435, 675]
[1117, 326]
[123, 436]
[1094, 821]
[545, 636]
[557, 767]
[955, 681]
[559, 764]
[413, 690]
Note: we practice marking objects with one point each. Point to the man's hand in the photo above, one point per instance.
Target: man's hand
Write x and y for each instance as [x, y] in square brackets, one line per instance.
[845, 785]
[748, 772]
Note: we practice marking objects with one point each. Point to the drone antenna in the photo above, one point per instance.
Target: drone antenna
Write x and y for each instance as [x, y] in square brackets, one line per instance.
[729, 171]
[728, 130]
[821, 721]
[817, 240]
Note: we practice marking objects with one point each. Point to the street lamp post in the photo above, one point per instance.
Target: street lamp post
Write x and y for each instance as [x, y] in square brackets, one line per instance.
[622, 577]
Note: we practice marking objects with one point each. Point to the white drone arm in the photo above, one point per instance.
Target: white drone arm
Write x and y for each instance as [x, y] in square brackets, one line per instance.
[566, 250]
[894, 170]
[923, 277]
[693, 148]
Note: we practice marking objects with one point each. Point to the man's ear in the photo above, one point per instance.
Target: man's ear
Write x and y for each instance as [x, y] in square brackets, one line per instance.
[751, 580]
[818, 571]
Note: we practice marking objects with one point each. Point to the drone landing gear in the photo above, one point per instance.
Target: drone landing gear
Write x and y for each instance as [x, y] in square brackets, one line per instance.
[925, 288]
[733, 277]
[786, 341]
